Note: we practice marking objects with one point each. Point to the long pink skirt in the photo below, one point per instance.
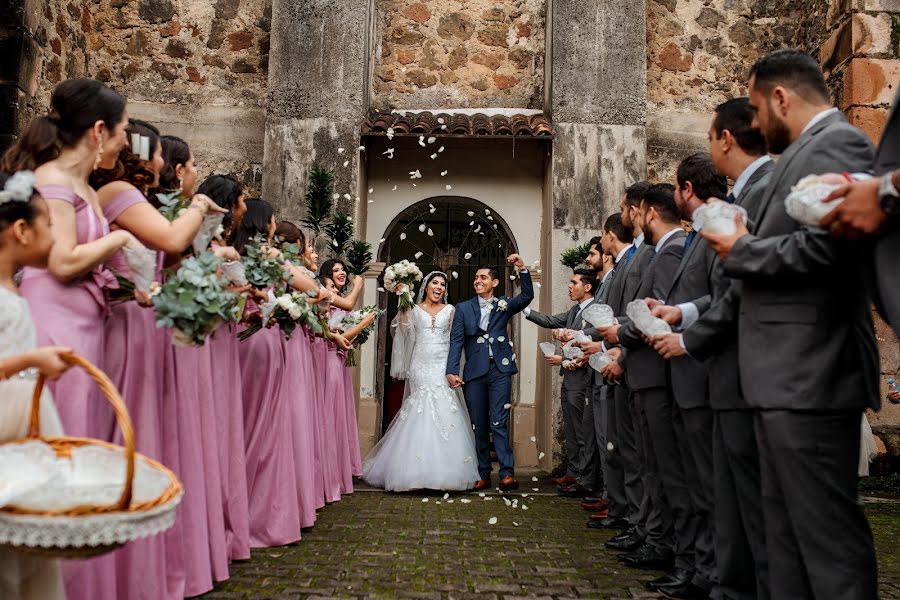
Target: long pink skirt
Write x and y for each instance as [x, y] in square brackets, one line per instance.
[272, 486]
[226, 368]
[326, 431]
[192, 453]
[135, 358]
[300, 389]
[352, 424]
[335, 379]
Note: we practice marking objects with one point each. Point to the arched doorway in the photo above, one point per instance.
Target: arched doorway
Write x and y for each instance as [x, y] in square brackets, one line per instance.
[452, 234]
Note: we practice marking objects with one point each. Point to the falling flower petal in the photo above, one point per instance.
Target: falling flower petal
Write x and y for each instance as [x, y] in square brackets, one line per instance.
[465, 501]
[512, 277]
[507, 406]
[394, 189]
[382, 240]
[335, 196]
[515, 503]
[537, 285]
[430, 232]
[515, 524]
[362, 148]
[467, 255]
[437, 501]
[449, 187]
[390, 133]
[455, 274]
[482, 495]
[389, 152]
[346, 162]
[513, 356]
[402, 236]
[470, 213]
[441, 149]
[347, 196]
[444, 127]
[432, 140]
[536, 489]
[487, 211]
[441, 120]
[501, 339]
[450, 501]
[371, 190]
[471, 223]
[533, 439]
[507, 502]
[424, 499]
[340, 150]
[381, 289]
[492, 520]
[610, 446]
[490, 218]
[422, 227]
[524, 507]
[371, 201]
[505, 362]
[444, 174]
[541, 455]
[433, 156]
[446, 496]
[422, 141]
[418, 255]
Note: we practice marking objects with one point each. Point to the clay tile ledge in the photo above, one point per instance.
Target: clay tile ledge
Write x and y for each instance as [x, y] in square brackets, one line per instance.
[459, 125]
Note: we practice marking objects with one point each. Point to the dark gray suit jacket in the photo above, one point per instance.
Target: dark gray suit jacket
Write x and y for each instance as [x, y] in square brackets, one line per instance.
[887, 249]
[689, 377]
[805, 334]
[644, 367]
[713, 337]
[583, 376]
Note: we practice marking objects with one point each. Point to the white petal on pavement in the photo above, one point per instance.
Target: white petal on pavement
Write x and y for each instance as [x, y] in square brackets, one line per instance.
[492, 520]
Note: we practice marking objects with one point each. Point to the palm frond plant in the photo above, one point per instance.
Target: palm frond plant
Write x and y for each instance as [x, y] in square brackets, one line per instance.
[319, 200]
[340, 233]
[359, 256]
[575, 257]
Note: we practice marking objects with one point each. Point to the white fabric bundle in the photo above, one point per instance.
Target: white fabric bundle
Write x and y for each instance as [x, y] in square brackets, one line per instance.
[142, 262]
[599, 315]
[646, 323]
[208, 230]
[718, 217]
[600, 360]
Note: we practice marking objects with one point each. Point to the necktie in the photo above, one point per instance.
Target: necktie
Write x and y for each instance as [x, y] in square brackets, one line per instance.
[688, 241]
[730, 199]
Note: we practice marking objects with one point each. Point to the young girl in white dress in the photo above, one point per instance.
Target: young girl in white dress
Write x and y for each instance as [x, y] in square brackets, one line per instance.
[25, 241]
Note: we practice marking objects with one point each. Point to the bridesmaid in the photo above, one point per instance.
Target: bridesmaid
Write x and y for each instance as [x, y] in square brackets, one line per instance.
[227, 404]
[136, 348]
[68, 298]
[272, 483]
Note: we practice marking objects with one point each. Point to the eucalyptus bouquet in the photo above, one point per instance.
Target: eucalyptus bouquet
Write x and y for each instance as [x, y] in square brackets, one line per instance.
[399, 279]
[287, 311]
[264, 267]
[354, 318]
[171, 205]
[194, 301]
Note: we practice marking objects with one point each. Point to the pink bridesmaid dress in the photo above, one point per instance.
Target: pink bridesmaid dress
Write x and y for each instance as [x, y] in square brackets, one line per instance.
[134, 361]
[352, 424]
[326, 443]
[73, 314]
[300, 389]
[335, 384]
[229, 416]
[275, 513]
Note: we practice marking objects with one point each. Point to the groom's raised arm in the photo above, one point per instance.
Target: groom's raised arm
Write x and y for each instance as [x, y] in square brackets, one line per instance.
[457, 339]
[525, 297]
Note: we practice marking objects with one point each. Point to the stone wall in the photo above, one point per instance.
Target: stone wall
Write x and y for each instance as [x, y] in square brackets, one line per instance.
[459, 53]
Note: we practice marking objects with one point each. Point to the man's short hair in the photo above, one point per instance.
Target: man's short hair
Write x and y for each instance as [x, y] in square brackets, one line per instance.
[588, 277]
[595, 243]
[701, 172]
[615, 226]
[493, 272]
[635, 193]
[793, 69]
[736, 116]
[661, 196]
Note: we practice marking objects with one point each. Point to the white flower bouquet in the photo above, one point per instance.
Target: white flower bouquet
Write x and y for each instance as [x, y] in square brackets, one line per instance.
[351, 320]
[285, 311]
[399, 278]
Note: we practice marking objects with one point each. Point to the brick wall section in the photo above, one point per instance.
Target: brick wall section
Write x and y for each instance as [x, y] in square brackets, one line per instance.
[459, 53]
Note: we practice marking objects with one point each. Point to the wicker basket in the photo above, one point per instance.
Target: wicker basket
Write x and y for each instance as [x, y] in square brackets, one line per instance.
[86, 531]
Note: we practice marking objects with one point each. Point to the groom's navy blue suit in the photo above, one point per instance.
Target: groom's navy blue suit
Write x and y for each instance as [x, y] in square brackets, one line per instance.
[490, 366]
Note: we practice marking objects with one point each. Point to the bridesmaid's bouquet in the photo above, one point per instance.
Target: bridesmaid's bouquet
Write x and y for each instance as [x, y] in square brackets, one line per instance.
[194, 301]
[264, 266]
[351, 320]
[399, 278]
[286, 311]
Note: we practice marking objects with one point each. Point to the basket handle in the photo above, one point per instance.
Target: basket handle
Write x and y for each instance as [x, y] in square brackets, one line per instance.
[122, 417]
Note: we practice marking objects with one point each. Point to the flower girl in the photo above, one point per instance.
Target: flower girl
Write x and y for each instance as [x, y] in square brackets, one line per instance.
[25, 240]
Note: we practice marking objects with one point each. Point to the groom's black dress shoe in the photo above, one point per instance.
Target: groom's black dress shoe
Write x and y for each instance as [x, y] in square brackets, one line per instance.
[481, 484]
[508, 484]
[676, 578]
[649, 557]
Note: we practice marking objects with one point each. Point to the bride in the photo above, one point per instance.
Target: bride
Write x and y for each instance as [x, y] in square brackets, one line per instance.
[430, 443]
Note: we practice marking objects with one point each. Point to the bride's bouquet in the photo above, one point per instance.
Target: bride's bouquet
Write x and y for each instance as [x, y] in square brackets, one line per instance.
[399, 278]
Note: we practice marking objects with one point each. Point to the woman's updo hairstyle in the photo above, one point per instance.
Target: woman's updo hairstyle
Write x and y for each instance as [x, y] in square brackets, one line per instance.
[291, 234]
[175, 151]
[129, 165]
[76, 104]
[225, 191]
[255, 222]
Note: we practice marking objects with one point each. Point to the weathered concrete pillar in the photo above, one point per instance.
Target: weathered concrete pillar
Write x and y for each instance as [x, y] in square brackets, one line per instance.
[598, 103]
[318, 92]
[20, 65]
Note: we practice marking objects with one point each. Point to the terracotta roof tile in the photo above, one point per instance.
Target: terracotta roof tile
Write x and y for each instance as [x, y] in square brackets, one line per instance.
[477, 125]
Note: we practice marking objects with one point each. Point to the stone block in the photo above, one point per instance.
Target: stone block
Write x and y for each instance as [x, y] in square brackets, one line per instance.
[417, 12]
[456, 25]
[156, 11]
[870, 119]
[870, 82]
[862, 34]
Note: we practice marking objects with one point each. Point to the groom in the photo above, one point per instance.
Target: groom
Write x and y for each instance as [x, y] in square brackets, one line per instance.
[481, 327]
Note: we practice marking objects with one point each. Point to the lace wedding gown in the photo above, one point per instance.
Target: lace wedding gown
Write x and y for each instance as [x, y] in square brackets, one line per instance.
[23, 577]
[430, 443]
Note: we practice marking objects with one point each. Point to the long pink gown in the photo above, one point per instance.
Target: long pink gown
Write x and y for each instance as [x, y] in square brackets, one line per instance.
[352, 424]
[326, 431]
[300, 389]
[275, 513]
[229, 415]
[135, 353]
[73, 314]
[335, 384]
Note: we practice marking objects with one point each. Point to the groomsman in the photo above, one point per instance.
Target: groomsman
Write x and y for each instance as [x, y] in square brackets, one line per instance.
[645, 373]
[697, 182]
[577, 380]
[807, 349]
[739, 152]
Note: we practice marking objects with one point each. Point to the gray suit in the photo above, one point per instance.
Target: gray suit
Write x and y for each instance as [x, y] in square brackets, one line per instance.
[740, 536]
[645, 372]
[887, 249]
[807, 344]
[577, 390]
[690, 386]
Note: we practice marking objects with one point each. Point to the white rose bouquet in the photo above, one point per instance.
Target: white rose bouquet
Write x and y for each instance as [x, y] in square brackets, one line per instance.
[399, 278]
[285, 311]
[351, 320]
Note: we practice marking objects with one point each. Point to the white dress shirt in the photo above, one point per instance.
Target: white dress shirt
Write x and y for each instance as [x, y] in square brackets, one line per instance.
[747, 173]
[818, 117]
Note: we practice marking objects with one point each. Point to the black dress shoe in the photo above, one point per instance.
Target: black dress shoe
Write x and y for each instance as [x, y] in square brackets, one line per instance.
[632, 530]
[593, 499]
[675, 578]
[614, 523]
[687, 591]
[628, 543]
[649, 557]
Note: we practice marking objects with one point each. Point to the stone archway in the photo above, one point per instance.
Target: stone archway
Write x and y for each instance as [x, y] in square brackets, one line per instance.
[452, 234]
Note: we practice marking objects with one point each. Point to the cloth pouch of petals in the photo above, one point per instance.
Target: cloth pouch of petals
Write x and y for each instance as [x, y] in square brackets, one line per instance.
[805, 204]
[548, 348]
[25, 467]
[718, 217]
[600, 360]
[571, 351]
[646, 323]
[235, 272]
[599, 315]
[142, 262]
[208, 230]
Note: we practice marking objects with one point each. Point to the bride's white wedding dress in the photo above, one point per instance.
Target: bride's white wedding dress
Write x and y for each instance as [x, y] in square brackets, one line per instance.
[430, 443]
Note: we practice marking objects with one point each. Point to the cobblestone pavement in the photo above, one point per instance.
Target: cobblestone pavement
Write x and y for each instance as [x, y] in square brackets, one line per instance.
[377, 545]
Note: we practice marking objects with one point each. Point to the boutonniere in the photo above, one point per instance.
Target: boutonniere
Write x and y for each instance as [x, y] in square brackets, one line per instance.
[502, 305]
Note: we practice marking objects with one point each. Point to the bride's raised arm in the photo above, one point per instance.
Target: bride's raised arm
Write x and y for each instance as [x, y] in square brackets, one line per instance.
[403, 331]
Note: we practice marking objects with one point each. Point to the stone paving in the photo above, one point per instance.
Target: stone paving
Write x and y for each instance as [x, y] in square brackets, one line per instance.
[377, 545]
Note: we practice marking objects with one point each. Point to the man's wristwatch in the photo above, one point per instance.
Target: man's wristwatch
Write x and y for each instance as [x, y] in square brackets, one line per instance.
[888, 195]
